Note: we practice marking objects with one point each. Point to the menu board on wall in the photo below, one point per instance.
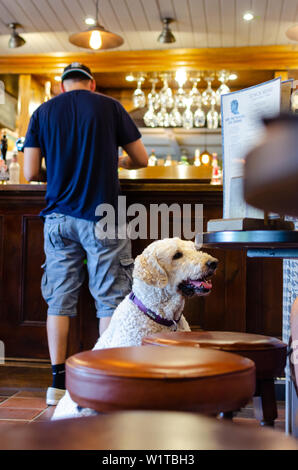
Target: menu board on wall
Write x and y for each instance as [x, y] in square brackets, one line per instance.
[8, 111]
[242, 128]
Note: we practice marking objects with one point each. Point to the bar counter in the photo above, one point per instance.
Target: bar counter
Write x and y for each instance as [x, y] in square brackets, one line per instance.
[241, 300]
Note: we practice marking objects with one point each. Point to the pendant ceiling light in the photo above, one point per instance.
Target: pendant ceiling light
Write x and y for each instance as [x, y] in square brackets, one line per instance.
[96, 37]
[15, 39]
[166, 36]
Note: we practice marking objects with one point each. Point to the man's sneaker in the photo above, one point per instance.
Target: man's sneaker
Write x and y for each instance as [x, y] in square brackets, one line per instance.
[54, 395]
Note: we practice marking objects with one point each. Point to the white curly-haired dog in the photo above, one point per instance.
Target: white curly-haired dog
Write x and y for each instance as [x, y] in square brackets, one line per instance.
[166, 272]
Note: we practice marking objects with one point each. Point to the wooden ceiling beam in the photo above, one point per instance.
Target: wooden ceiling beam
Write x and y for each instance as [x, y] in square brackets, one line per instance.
[232, 58]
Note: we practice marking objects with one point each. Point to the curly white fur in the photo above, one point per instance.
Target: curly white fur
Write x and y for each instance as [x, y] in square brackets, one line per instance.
[156, 277]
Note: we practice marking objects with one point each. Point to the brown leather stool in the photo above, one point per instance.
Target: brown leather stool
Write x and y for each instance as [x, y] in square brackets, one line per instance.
[268, 354]
[151, 378]
[142, 430]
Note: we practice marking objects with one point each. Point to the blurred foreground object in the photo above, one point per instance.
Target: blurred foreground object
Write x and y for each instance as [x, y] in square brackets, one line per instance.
[271, 169]
[143, 430]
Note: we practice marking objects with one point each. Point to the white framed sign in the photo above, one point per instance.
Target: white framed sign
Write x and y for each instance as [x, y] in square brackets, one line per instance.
[242, 128]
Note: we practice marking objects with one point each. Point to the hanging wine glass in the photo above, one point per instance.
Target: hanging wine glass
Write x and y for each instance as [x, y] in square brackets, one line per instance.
[175, 117]
[150, 118]
[165, 94]
[208, 95]
[194, 93]
[223, 77]
[163, 117]
[212, 117]
[199, 117]
[138, 97]
[153, 95]
[180, 97]
[187, 116]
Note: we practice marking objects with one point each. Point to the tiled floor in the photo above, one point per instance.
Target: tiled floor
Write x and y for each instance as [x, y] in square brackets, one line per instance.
[246, 416]
[23, 406]
[27, 406]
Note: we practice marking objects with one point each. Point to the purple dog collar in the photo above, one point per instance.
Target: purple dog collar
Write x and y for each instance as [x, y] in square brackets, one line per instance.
[154, 316]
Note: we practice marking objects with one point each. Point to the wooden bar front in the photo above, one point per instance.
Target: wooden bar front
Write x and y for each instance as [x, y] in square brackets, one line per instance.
[247, 294]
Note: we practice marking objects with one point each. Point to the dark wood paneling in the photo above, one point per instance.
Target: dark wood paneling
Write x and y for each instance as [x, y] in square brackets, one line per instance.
[246, 294]
[33, 309]
[264, 296]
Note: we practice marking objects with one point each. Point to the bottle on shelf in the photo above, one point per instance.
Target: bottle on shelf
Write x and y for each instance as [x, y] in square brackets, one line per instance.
[3, 146]
[197, 160]
[4, 176]
[152, 159]
[14, 169]
[214, 163]
[183, 158]
[168, 161]
[216, 174]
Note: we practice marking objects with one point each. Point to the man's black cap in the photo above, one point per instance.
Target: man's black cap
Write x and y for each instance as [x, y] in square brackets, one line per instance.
[75, 68]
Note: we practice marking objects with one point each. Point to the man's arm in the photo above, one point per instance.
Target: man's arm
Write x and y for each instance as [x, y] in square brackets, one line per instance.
[137, 156]
[32, 165]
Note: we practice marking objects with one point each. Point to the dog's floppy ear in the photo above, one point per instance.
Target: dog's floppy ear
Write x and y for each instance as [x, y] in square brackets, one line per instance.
[148, 269]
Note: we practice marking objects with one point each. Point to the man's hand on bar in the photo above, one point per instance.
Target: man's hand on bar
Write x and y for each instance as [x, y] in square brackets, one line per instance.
[137, 156]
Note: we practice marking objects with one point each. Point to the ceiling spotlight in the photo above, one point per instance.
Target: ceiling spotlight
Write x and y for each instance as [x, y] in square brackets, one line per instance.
[233, 76]
[129, 78]
[57, 78]
[15, 39]
[166, 36]
[90, 21]
[248, 16]
[96, 37]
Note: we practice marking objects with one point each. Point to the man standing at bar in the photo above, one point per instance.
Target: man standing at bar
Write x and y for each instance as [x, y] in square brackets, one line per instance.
[78, 133]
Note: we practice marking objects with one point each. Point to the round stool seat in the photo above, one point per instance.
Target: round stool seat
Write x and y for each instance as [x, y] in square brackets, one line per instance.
[143, 430]
[151, 378]
[268, 353]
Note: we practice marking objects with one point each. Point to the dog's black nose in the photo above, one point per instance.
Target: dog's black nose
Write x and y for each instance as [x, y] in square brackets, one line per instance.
[212, 264]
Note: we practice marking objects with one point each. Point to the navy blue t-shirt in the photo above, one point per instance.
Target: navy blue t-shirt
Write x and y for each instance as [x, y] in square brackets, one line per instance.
[79, 133]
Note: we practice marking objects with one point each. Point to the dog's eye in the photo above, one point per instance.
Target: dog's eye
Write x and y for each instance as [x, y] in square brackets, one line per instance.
[178, 255]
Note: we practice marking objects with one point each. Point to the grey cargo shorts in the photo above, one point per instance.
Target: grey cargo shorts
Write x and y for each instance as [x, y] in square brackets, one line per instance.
[68, 241]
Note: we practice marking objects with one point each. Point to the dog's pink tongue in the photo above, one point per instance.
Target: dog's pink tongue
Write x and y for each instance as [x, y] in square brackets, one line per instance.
[205, 284]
